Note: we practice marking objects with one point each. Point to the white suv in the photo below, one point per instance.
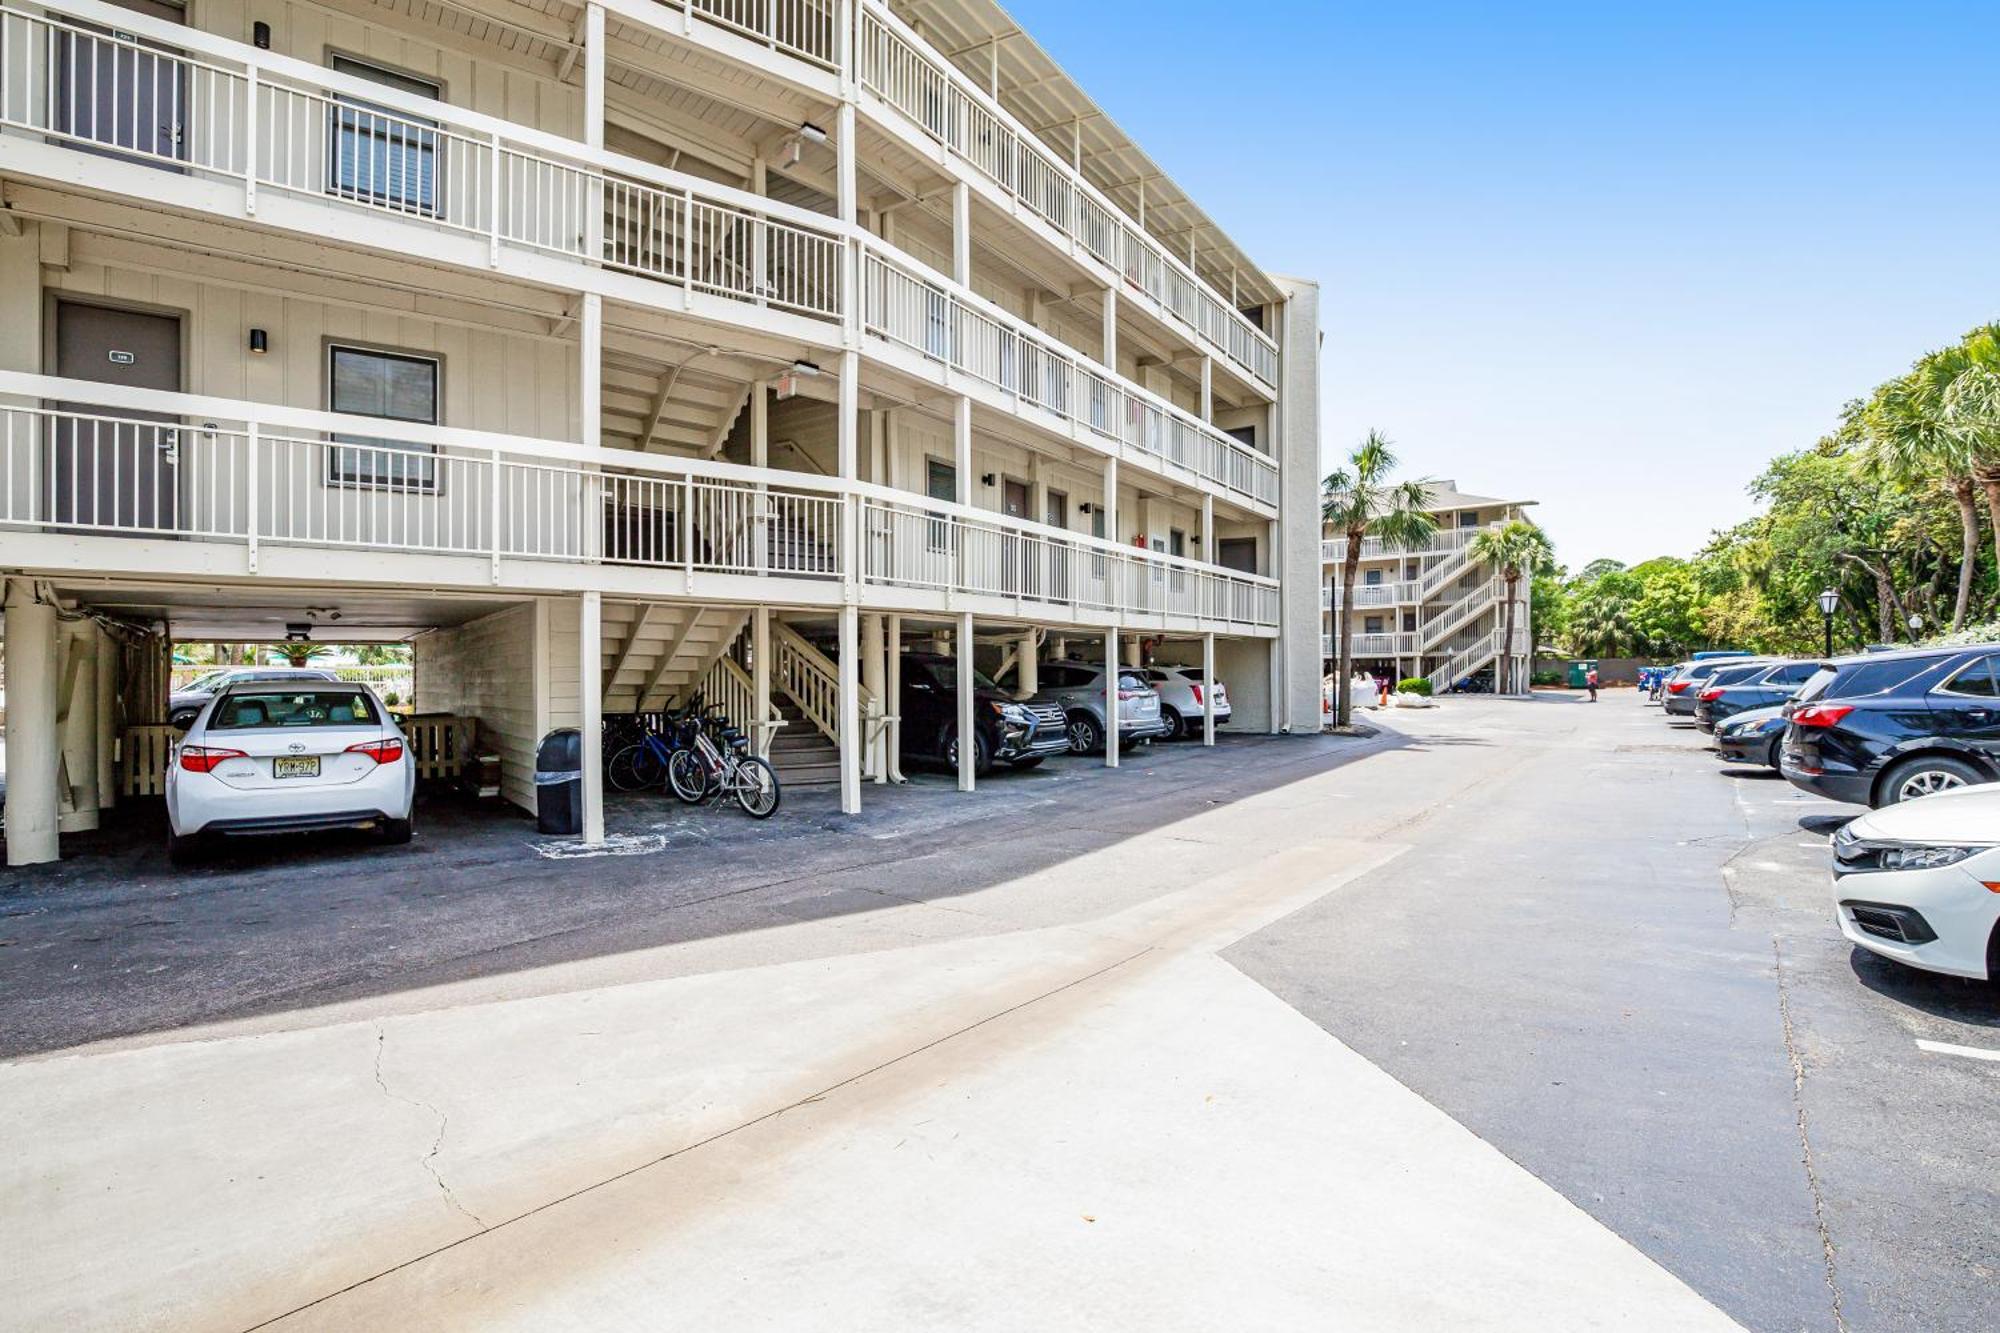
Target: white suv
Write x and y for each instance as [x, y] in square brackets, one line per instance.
[1180, 699]
[268, 757]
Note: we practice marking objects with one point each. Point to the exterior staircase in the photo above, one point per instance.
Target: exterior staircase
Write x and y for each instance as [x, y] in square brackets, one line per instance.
[801, 754]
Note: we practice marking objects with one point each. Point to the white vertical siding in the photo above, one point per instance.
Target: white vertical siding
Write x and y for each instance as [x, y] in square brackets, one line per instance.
[484, 669]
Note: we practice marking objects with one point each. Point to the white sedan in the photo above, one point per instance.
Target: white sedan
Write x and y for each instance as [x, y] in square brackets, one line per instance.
[1919, 882]
[265, 757]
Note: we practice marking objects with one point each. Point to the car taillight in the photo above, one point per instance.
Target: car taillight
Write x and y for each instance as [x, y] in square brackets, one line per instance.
[1197, 695]
[382, 752]
[1821, 715]
[1709, 696]
[1678, 686]
[204, 758]
[1128, 694]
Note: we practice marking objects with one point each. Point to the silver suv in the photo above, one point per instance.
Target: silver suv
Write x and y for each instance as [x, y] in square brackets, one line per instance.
[1078, 688]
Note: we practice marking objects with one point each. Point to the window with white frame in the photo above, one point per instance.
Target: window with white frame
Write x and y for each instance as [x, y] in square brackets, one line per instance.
[380, 156]
[395, 386]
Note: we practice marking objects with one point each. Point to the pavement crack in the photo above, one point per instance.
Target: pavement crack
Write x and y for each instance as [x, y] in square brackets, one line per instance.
[1805, 1135]
[428, 1162]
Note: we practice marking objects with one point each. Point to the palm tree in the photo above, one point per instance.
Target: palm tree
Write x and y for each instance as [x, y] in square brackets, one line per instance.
[1517, 548]
[1359, 501]
[1972, 413]
[1910, 439]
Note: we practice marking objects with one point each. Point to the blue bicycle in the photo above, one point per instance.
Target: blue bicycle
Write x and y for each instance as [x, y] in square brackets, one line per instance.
[644, 763]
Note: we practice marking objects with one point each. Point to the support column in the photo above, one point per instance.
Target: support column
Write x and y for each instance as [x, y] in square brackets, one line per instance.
[1027, 670]
[590, 709]
[871, 679]
[1111, 327]
[760, 679]
[1208, 389]
[76, 711]
[849, 432]
[590, 386]
[593, 75]
[961, 233]
[893, 692]
[961, 447]
[107, 721]
[1111, 671]
[1208, 527]
[1208, 689]
[849, 702]
[967, 730]
[33, 752]
[1111, 499]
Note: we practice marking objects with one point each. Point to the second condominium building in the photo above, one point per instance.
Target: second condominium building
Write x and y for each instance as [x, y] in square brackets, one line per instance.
[614, 351]
[1430, 610]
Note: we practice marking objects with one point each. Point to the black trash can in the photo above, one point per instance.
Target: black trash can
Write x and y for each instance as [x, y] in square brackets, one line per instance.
[559, 782]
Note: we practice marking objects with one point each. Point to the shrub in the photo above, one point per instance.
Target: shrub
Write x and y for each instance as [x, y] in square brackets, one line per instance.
[1546, 678]
[1970, 636]
[1414, 685]
[391, 699]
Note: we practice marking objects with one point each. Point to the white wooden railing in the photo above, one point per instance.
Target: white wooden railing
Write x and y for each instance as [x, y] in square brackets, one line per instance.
[126, 461]
[730, 686]
[1446, 541]
[984, 341]
[808, 29]
[272, 123]
[896, 65]
[1371, 594]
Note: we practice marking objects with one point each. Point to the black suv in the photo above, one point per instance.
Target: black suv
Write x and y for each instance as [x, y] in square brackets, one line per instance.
[1008, 731]
[1879, 728]
[1736, 690]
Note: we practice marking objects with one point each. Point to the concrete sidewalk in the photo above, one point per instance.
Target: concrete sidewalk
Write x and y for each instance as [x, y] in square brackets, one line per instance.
[1045, 1101]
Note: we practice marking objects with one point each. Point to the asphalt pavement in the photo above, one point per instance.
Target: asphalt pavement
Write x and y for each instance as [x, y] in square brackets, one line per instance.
[1618, 965]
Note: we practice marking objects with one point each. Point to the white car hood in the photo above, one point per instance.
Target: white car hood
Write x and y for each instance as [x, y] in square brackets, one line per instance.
[1962, 815]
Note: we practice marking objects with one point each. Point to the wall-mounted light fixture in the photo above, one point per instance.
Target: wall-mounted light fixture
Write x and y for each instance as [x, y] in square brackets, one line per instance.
[1085, 508]
[260, 36]
[260, 342]
[297, 633]
[986, 479]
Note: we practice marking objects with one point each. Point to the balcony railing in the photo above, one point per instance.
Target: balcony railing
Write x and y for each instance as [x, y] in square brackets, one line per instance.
[808, 29]
[128, 463]
[1446, 542]
[1372, 594]
[364, 146]
[948, 106]
[992, 346]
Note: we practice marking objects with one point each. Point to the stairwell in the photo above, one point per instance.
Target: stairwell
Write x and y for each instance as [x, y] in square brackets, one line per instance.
[802, 756]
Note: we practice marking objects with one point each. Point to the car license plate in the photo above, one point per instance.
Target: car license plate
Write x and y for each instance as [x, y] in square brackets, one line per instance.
[295, 766]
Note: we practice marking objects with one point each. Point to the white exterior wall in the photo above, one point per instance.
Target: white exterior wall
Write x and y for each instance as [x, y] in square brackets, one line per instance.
[485, 669]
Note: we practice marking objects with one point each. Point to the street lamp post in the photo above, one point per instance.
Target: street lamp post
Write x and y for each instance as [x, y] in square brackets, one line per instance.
[1829, 601]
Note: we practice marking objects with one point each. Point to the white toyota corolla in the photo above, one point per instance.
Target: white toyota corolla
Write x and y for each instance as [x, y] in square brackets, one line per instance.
[265, 757]
[1919, 881]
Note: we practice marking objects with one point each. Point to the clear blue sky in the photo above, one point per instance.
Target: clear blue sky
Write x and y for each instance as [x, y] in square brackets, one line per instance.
[1611, 257]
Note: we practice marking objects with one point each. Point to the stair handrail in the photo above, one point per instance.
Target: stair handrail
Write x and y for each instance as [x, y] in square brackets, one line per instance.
[810, 679]
[728, 684]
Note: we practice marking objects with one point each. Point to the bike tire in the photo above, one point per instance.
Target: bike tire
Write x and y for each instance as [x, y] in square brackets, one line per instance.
[688, 776]
[756, 787]
[626, 771]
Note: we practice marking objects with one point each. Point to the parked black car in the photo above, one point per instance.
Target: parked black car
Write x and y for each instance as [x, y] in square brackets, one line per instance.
[1682, 687]
[1879, 728]
[1009, 731]
[1755, 736]
[1736, 689]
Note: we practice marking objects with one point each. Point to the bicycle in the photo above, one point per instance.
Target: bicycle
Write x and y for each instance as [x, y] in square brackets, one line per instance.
[718, 764]
[644, 763]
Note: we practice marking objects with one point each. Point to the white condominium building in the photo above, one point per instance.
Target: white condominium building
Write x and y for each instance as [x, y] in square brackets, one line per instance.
[1431, 610]
[613, 351]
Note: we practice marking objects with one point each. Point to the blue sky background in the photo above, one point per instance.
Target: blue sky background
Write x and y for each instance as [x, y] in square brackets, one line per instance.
[1610, 257]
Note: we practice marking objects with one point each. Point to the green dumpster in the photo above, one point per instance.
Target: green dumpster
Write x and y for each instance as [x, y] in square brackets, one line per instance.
[1579, 673]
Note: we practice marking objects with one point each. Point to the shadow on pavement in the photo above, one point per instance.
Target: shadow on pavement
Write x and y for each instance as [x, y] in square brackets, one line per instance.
[1958, 999]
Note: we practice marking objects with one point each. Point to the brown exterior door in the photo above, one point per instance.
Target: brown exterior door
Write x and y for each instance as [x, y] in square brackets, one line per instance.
[111, 468]
[109, 90]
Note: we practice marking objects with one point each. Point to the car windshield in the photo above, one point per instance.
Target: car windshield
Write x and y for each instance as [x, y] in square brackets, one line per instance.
[1736, 674]
[208, 682]
[254, 710]
[945, 676]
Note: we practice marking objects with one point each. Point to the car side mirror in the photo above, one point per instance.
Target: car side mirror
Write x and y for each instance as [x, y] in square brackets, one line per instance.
[182, 723]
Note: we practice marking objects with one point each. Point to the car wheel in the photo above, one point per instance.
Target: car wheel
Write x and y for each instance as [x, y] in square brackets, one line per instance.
[1175, 727]
[1923, 776]
[182, 719]
[1776, 752]
[982, 762]
[393, 832]
[182, 849]
[1085, 736]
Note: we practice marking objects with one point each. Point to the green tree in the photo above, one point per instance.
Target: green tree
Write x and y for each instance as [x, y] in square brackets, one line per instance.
[1911, 439]
[1516, 549]
[1358, 500]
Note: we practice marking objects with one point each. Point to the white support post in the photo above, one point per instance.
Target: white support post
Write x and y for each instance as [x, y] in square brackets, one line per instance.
[250, 151]
[107, 720]
[849, 430]
[1027, 670]
[961, 446]
[849, 703]
[1111, 674]
[1208, 527]
[1208, 388]
[760, 678]
[876, 767]
[1208, 689]
[760, 456]
[593, 75]
[893, 693]
[590, 709]
[1111, 327]
[76, 711]
[967, 719]
[34, 755]
[1111, 500]
[961, 234]
[590, 390]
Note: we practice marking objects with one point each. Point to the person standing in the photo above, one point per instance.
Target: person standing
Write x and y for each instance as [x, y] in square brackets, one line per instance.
[1590, 683]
